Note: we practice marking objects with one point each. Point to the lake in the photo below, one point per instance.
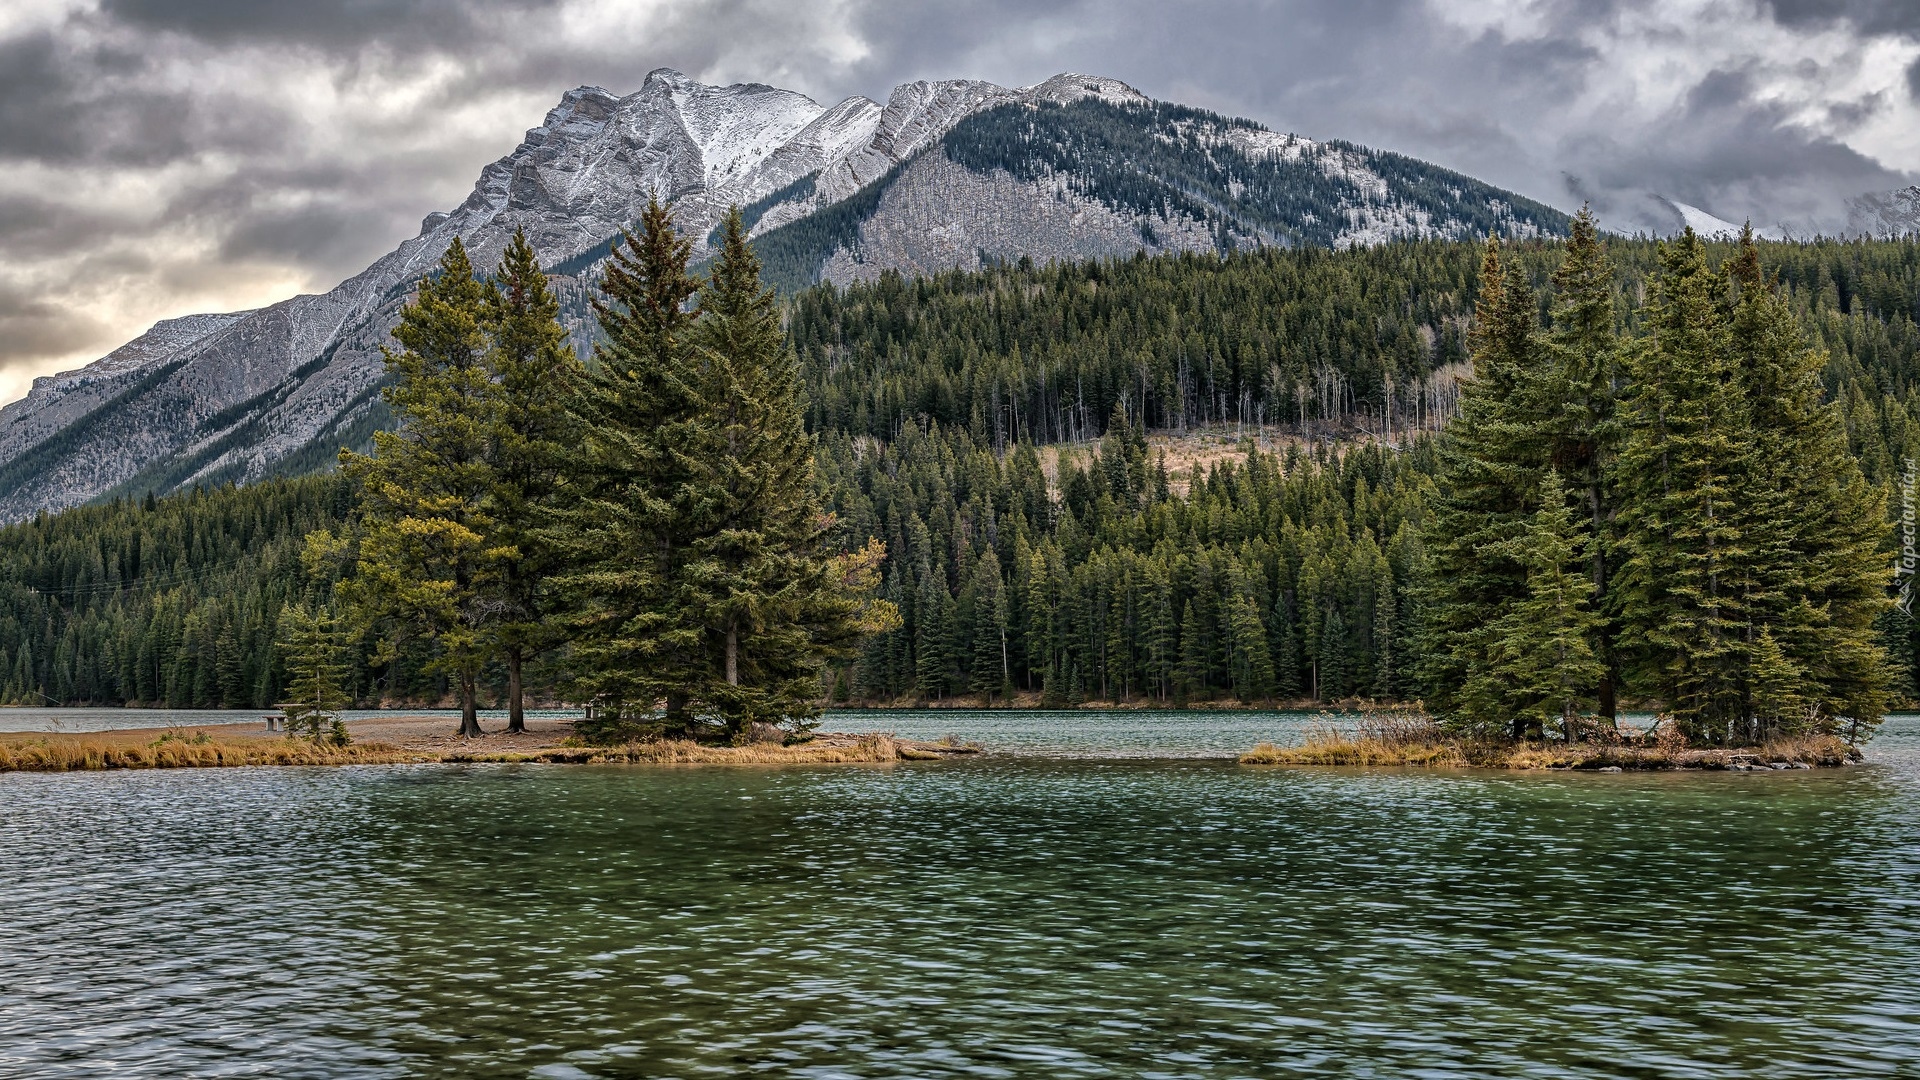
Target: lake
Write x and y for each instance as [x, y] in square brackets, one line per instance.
[1110, 901]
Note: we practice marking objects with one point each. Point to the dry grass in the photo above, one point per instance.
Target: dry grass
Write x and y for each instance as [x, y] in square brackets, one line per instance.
[77, 753]
[865, 749]
[1410, 738]
[1402, 736]
[1820, 751]
[174, 750]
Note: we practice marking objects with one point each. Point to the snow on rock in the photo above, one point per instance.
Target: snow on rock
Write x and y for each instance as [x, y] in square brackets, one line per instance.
[58, 399]
[1709, 227]
[1065, 89]
[1885, 214]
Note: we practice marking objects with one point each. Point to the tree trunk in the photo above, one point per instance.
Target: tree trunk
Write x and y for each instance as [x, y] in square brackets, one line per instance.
[1607, 694]
[516, 705]
[469, 710]
[733, 656]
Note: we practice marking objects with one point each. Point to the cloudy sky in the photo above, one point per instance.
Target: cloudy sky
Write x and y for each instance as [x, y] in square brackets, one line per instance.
[161, 157]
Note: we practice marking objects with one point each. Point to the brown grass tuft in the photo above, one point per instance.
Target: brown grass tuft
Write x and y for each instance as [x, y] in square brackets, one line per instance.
[123, 750]
[82, 753]
[1409, 737]
[1380, 736]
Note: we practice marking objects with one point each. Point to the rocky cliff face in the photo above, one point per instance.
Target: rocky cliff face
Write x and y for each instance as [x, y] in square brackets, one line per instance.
[1885, 214]
[943, 174]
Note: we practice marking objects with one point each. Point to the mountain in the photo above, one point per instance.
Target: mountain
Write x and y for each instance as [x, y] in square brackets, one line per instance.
[1710, 227]
[945, 174]
[1885, 214]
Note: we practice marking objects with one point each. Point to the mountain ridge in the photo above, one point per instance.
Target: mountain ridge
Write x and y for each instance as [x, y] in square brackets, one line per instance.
[837, 192]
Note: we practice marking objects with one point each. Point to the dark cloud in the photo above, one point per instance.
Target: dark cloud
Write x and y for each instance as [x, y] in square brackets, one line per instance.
[36, 329]
[53, 107]
[332, 25]
[1867, 16]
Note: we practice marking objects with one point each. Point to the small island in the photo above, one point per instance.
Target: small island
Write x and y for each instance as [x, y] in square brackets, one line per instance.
[1401, 737]
[419, 740]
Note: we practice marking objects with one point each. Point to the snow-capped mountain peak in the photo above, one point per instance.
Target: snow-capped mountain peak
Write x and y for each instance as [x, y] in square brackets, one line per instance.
[942, 174]
[1068, 87]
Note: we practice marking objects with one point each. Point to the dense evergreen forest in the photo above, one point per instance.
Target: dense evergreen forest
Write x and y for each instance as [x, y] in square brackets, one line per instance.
[940, 406]
[168, 601]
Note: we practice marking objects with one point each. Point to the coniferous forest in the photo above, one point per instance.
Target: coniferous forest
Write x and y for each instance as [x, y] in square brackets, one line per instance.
[1436, 479]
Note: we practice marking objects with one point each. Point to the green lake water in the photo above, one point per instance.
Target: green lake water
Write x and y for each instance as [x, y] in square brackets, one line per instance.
[1108, 902]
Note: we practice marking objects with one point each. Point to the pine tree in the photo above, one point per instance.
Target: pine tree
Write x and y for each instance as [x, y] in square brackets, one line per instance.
[1194, 659]
[627, 535]
[774, 602]
[1680, 594]
[989, 662]
[1583, 373]
[1286, 647]
[1385, 609]
[1333, 656]
[429, 558]
[932, 639]
[313, 646]
[1252, 658]
[1542, 668]
[533, 369]
[1779, 704]
[1817, 584]
[1492, 456]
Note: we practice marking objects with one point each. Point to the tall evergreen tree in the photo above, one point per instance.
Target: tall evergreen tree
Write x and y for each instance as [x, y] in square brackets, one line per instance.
[429, 560]
[533, 367]
[1819, 580]
[627, 535]
[1681, 596]
[1541, 667]
[1492, 456]
[313, 649]
[992, 673]
[1583, 376]
[774, 602]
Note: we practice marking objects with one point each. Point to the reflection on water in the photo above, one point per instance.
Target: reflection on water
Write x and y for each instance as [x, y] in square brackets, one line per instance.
[1012, 917]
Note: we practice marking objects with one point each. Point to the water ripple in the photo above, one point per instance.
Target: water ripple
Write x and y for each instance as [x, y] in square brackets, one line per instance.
[1009, 917]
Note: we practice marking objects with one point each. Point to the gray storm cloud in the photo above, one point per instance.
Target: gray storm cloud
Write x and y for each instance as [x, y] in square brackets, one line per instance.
[159, 157]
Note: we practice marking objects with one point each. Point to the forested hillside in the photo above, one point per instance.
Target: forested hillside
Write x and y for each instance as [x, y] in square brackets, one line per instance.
[162, 602]
[1116, 578]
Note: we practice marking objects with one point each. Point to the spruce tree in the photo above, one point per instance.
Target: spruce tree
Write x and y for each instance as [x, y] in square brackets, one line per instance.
[429, 562]
[1681, 596]
[1583, 373]
[1333, 656]
[1253, 676]
[1286, 647]
[990, 620]
[1541, 667]
[534, 369]
[634, 506]
[1779, 702]
[763, 582]
[312, 647]
[1818, 583]
[1492, 456]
